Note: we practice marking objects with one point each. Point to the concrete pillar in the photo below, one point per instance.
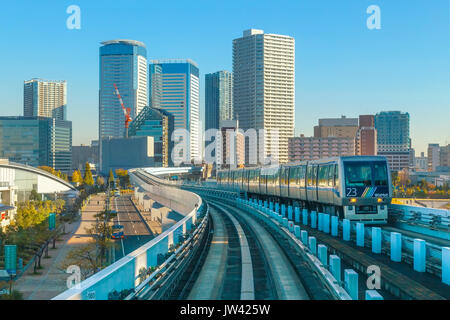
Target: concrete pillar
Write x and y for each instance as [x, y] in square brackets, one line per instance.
[360, 234]
[351, 283]
[346, 229]
[305, 217]
[376, 240]
[446, 265]
[290, 210]
[334, 226]
[420, 255]
[323, 254]
[312, 245]
[373, 295]
[335, 267]
[283, 210]
[297, 215]
[396, 246]
[326, 223]
[304, 237]
[297, 231]
[320, 221]
[313, 219]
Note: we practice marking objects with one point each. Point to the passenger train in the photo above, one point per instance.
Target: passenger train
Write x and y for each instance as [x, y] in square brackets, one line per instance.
[353, 187]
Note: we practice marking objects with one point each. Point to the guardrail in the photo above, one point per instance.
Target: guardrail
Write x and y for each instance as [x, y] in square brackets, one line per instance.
[125, 274]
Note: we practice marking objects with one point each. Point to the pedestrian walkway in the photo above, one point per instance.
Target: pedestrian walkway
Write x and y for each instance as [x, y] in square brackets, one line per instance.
[51, 280]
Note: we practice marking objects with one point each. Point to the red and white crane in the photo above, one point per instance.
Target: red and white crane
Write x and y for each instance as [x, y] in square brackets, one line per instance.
[126, 111]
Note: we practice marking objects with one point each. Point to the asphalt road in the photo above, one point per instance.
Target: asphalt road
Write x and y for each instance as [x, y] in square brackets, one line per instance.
[136, 232]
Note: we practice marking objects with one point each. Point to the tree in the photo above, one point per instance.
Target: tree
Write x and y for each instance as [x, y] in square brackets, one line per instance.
[34, 196]
[88, 179]
[123, 176]
[100, 181]
[76, 177]
[48, 169]
[111, 178]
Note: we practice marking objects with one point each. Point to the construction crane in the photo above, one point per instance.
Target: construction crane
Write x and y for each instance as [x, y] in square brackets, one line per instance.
[126, 111]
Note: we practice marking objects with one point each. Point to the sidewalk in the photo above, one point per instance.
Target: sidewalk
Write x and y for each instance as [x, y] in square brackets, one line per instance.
[51, 280]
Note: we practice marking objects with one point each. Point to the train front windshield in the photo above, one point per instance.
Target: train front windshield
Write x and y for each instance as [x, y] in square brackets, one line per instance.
[365, 174]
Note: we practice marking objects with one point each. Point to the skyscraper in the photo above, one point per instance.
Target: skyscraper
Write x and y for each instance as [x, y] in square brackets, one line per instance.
[263, 89]
[124, 63]
[174, 87]
[218, 98]
[393, 138]
[366, 136]
[44, 98]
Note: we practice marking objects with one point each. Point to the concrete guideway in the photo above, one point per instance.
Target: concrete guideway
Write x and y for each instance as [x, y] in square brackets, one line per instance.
[287, 283]
[210, 280]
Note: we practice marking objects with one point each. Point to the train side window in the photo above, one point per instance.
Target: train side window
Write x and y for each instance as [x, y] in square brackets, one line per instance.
[310, 176]
[336, 175]
[330, 175]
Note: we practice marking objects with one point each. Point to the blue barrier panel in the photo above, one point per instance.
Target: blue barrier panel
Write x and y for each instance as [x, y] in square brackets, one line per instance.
[313, 219]
[283, 210]
[260, 203]
[376, 240]
[420, 255]
[277, 207]
[320, 221]
[446, 265]
[323, 254]
[266, 204]
[351, 283]
[297, 231]
[335, 267]
[297, 215]
[334, 226]
[271, 205]
[396, 246]
[326, 223]
[373, 295]
[291, 226]
[312, 245]
[290, 210]
[346, 228]
[305, 217]
[360, 234]
[304, 237]
[284, 220]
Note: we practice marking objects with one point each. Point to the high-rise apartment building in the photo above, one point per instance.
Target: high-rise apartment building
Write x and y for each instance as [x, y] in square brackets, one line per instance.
[393, 138]
[433, 154]
[218, 98]
[45, 98]
[444, 156]
[264, 89]
[124, 63]
[230, 149]
[312, 148]
[366, 136]
[174, 87]
[37, 141]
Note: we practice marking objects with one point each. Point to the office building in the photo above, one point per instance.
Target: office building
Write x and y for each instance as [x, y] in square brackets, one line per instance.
[43, 98]
[421, 163]
[393, 139]
[174, 87]
[312, 148]
[37, 141]
[336, 127]
[156, 123]
[264, 90]
[444, 156]
[82, 154]
[127, 153]
[124, 63]
[230, 148]
[366, 136]
[218, 98]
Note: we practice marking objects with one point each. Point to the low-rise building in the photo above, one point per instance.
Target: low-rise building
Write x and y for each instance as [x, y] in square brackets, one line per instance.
[311, 148]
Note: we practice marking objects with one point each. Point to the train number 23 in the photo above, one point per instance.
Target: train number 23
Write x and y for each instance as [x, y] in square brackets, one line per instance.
[351, 192]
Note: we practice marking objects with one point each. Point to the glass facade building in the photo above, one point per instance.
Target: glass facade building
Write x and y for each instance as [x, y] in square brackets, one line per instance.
[124, 63]
[37, 141]
[174, 87]
[158, 124]
[218, 98]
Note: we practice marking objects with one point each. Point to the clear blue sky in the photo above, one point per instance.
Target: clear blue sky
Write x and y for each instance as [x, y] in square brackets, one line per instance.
[342, 68]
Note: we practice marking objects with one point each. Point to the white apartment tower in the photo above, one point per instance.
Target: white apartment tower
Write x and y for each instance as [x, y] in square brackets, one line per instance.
[44, 98]
[264, 89]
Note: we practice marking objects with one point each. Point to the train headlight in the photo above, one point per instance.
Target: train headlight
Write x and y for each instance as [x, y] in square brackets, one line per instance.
[353, 200]
[379, 200]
